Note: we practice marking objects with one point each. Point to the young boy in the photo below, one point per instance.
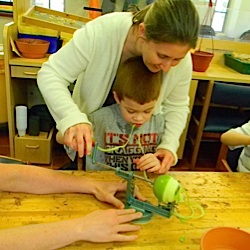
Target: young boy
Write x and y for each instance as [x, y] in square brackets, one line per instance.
[236, 138]
[135, 90]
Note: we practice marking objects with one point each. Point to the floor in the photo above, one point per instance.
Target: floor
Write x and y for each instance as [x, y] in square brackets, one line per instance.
[206, 160]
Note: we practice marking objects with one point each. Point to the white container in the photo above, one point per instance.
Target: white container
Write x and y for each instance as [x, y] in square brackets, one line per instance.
[21, 119]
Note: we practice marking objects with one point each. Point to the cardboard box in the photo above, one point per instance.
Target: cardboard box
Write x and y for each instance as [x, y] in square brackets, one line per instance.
[35, 149]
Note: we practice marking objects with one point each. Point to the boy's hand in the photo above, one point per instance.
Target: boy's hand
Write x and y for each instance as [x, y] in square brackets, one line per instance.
[148, 162]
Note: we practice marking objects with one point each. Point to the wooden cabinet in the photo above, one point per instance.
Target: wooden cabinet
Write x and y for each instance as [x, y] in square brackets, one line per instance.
[18, 74]
[35, 149]
[24, 72]
[3, 102]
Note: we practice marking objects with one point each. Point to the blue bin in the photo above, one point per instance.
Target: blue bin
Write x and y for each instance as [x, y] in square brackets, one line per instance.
[55, 42]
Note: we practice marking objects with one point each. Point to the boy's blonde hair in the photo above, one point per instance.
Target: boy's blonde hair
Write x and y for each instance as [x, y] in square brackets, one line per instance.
[135, 81]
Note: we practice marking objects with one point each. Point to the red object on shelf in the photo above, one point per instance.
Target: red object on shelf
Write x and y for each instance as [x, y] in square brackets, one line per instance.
[32, 48]
[94, 4]
[201, 60]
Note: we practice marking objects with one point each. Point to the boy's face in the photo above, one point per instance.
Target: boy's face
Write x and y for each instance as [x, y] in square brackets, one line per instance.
[135, 113]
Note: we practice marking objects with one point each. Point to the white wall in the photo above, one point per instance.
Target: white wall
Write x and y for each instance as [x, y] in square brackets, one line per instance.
[238, 18]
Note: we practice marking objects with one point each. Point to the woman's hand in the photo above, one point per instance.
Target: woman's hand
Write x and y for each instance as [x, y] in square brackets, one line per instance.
[105, 191]
[167, 160]
[148, 162]
[79, 138]
[108, 225]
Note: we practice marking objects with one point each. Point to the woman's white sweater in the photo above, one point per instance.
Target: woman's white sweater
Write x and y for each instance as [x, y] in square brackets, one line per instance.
[91, 58]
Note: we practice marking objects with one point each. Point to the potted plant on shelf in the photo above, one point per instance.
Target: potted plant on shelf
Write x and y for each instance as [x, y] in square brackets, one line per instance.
[201, 59]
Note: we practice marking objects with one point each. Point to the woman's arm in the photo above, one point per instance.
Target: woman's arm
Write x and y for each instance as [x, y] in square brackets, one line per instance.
[98, 226]
[175, 109]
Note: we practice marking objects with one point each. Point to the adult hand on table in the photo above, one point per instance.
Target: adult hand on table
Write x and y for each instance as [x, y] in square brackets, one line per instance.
[79, 138]
[105, 191]
[167, 160]
[108, 225]
[99, 226]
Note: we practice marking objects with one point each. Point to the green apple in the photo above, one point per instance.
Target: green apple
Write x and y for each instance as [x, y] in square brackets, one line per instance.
[167, 189]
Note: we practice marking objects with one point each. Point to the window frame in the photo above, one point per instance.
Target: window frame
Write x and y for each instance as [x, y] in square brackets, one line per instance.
[215, 2]
[50, 4]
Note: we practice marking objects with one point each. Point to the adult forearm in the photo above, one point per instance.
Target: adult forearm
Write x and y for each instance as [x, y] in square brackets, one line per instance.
[62, 68]
[99, 226]
[40, 236]
[20, 178]
[36, 180]
[175, 124]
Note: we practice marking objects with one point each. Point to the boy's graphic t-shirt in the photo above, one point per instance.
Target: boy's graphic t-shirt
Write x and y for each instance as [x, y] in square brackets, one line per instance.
[111, 130]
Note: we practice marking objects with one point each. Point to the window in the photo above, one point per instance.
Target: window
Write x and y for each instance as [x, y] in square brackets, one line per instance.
[220, 13]
[51, 4]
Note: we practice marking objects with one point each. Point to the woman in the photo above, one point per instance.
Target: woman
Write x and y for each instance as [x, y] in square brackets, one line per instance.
[162, 33]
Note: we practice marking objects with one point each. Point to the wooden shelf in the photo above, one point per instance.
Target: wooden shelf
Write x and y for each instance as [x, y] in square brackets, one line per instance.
[54, 19]
[20, 61]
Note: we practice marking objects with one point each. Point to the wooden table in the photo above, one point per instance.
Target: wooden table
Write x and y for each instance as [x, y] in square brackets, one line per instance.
[225, 197]
[220, 72]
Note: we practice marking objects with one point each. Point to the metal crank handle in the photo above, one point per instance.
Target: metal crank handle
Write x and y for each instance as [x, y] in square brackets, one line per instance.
[122, 171]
